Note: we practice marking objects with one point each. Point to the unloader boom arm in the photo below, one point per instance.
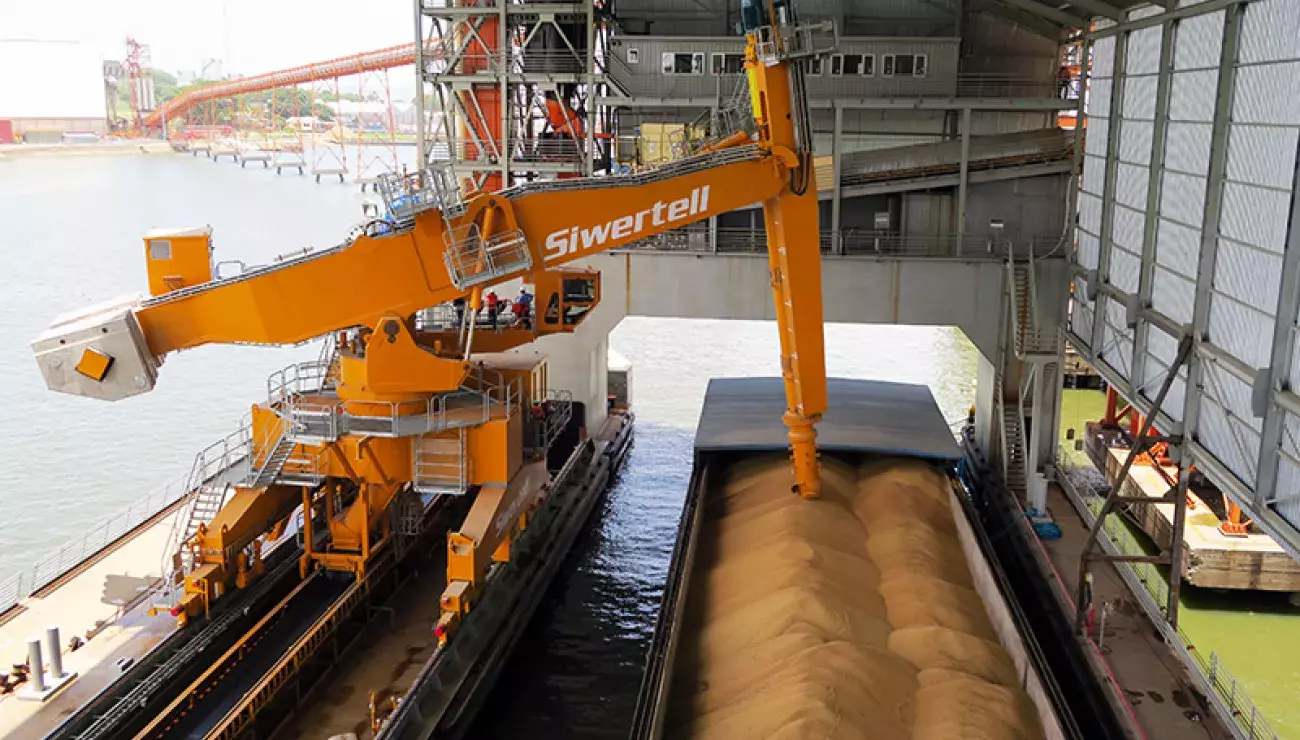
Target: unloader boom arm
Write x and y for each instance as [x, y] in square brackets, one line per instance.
[442, 249]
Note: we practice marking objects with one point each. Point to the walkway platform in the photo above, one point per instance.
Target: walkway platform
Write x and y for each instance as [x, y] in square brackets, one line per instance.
[103, 601]
[1144, 672]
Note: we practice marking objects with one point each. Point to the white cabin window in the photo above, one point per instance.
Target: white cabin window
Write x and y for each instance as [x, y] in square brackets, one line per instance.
[633, 55]
[813, 67]
[868, 65]
[905, 65]
[683, 62]
[727, 64]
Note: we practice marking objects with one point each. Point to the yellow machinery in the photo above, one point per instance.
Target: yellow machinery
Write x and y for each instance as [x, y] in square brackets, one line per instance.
[402, 409]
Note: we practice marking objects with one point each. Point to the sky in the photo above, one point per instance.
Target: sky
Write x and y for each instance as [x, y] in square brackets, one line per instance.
[250, 36]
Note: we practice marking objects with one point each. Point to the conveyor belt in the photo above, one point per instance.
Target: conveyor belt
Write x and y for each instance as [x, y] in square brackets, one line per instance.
[126, 706]
[305, 606]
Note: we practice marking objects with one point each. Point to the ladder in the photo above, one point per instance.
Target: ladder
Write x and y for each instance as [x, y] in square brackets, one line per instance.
[275, 461]
[438, 463]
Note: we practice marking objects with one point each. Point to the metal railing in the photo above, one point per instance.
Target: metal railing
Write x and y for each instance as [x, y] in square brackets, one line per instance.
[796, 41]
[473, 260]
[851, 242]
[558, 411]
[73, 552]
[547, 150]
[297, 379]
[406, 195]
[11, 592]
[506, 61]
[1151, 589]
[976, 85]
[483, 151]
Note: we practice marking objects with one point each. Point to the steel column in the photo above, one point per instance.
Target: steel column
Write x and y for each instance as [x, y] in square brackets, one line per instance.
[1076, 174]
[963, 177]
[1176, 544]
[1279, 372]
[1159, 134]
[503, 49]
[1210, 223]
[837, 152]
[422, 156]
[1138, 446]
[1108, 193]
[590, 123]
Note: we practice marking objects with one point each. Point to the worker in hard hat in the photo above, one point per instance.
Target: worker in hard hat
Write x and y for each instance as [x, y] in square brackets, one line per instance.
[523, 303]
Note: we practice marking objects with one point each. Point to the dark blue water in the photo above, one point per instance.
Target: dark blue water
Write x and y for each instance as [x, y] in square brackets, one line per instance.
[577, 669]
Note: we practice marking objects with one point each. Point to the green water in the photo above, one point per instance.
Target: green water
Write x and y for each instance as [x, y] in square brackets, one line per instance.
[1256, 634]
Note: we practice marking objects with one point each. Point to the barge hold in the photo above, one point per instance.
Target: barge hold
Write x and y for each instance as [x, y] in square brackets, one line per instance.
[854, 615]
[878, 610]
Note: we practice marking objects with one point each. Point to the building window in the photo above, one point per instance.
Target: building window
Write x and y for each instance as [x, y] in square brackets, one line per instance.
[728, 64]
[683, 62]
[633, 55]
[863, 65]
[905, 65]
[813, 67]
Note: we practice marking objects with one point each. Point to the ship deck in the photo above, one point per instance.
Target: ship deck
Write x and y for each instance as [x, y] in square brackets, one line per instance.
[388, 659]
[104, 601]
[1149, 681]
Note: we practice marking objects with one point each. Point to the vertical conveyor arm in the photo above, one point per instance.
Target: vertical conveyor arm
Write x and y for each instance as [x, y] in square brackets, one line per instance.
[794, 253]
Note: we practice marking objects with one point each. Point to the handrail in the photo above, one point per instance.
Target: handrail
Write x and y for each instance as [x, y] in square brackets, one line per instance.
[699, 239]
[11, 592]
[1151, 590]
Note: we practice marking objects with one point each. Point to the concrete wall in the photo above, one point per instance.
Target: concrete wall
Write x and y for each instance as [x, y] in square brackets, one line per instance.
[855, 290]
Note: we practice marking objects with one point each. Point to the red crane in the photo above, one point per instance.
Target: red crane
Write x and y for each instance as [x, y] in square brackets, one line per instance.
[137, 70]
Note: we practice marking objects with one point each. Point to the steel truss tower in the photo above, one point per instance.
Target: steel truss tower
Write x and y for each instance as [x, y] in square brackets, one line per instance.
[507, 90]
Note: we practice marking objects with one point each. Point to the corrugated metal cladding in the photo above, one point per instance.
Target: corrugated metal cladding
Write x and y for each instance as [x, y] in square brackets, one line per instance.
[1227, 427]
[1088, 230]
[1255, 211]
[1287, 490]
[1252, 212]
[1117, 339]
[1161, 350]
[1193, 84]
[1081, 310]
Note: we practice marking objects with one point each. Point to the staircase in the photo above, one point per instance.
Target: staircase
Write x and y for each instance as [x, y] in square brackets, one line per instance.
[1022, 306]
[439, 464]
[208, 500]
[1013, 442]
[275, 461]
[1027, 338]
